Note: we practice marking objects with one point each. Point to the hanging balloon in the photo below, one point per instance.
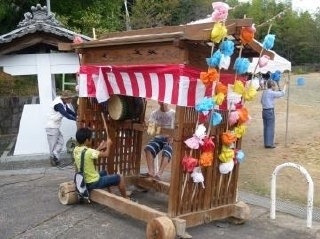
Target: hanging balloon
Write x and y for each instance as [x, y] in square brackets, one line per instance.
[263, 61]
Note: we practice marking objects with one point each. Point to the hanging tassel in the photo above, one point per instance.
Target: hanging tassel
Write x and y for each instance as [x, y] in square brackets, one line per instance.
[219, 186]
[184, 185]
[229, 180]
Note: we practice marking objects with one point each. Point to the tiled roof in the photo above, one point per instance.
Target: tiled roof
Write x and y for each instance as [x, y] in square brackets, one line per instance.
[39, 20]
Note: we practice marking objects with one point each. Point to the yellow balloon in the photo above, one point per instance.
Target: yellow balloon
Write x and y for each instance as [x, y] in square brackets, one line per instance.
[238, 87]
[219, 98]
[218, 32]
[250, 93]
[240, 130]
[226, 155]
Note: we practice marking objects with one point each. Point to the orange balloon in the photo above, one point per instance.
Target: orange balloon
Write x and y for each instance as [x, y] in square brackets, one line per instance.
[228, 138]
[209, 77]
[206, 158]
[246, 35]
[243, 115]
[221, 88]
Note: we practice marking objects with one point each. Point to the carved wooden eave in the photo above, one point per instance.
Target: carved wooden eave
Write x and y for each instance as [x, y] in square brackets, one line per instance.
[179, 35]
[37, 27]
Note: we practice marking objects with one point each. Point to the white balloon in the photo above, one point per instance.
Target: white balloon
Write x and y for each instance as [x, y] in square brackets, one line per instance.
[226, 168]
[255, 82]
[224, 62]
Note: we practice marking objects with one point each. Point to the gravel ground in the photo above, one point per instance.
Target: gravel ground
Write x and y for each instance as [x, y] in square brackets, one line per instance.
[10, 162]
[5, 141]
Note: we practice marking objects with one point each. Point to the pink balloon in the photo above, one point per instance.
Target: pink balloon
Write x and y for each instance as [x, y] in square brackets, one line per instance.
[220, 11]
[263, 61]
[233, 117]
[77, 39]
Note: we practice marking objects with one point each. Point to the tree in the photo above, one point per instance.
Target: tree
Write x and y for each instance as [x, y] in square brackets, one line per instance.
[297, 34]
[83, 16]
[152, 13]
[80, 16]
[11, 13]
[190, 10]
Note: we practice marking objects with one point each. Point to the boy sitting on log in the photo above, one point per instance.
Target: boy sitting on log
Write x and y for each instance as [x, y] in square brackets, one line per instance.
[93, 178]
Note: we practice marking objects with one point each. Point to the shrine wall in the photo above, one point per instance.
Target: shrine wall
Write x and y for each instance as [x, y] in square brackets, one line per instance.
[10, 112]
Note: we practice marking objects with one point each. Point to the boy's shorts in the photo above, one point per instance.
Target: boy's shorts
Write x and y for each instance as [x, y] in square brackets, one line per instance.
[157, 144]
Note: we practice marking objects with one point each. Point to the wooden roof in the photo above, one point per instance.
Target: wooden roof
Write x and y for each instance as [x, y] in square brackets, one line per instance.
[38, 30]
[191, 33]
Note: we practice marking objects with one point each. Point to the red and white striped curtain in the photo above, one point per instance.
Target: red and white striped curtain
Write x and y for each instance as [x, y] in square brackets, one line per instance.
[172, 84]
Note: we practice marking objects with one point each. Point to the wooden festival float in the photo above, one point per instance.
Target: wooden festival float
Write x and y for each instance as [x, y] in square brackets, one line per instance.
[161, 64]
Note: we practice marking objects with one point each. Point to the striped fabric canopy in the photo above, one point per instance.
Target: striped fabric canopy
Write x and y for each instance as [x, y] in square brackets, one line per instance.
[172, 84]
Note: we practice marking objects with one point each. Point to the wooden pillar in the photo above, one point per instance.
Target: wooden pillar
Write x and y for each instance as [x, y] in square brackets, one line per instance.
[176, 172]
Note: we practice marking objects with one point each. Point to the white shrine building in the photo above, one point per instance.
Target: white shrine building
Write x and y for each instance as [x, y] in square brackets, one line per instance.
[32, 49]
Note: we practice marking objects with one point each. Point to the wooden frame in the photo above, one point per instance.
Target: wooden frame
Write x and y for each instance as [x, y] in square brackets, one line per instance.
[187, 45]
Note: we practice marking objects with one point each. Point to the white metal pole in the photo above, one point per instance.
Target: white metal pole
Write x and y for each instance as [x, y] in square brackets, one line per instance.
[273, 195]
[287, 115]
[128, 26]
[310, 190]
[48, 6]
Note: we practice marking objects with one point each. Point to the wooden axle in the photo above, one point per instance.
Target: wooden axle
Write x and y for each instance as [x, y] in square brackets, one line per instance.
[159, 225]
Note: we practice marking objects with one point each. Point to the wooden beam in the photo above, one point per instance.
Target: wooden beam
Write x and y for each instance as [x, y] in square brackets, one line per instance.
[205, 33]
[256, 46]
[18, 44]
[62, 46]
[123, 205]
[239, 210]
[144, 31]
[125, 40]
[189, 30]
[168, 33]
[30, 40]
[206, 216]
[177, 173]
[150, 183]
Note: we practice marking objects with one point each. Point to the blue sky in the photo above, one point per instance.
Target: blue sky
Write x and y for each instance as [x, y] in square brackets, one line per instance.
[304, 5]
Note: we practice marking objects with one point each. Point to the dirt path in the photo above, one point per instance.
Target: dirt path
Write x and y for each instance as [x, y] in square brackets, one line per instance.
[297, 141]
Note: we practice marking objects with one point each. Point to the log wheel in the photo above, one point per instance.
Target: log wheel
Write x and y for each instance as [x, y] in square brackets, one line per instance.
[161, 228]
[67, 193]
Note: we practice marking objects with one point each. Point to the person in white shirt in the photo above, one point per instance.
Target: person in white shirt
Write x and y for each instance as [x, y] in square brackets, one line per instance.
[58, 109]
[163, 117]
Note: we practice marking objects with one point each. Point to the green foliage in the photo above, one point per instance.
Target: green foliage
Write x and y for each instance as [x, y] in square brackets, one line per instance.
[152, 13]
[297, 34]
[11, 12]
[103, 15]
[189, 10]
[240, 10]
[299, 71]
[19, 86]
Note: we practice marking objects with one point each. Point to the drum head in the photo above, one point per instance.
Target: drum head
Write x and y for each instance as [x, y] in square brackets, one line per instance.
[117, 107]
